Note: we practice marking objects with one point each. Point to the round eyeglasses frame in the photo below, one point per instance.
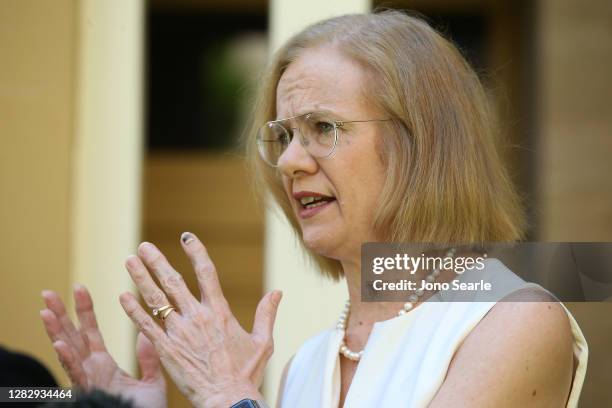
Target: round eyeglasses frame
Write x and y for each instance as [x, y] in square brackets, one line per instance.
[338, 124]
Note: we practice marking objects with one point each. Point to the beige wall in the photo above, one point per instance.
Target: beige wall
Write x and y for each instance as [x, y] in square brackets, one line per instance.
[37, 49]
[70, 148]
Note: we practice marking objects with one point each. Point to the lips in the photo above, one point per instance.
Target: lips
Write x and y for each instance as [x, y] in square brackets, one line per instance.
[310, 203]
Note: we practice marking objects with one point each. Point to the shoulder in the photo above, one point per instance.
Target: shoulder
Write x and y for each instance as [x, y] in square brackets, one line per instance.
[520, 353]
[528, 323]
[524, 314]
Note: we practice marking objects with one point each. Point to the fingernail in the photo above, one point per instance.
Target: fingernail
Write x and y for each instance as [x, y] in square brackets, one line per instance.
[187, 237]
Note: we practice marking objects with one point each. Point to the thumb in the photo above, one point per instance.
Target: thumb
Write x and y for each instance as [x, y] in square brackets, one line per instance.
[148, 359]
[266, 314]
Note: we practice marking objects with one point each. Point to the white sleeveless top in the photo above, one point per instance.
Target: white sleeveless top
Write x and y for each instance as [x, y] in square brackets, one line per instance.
[406, 358]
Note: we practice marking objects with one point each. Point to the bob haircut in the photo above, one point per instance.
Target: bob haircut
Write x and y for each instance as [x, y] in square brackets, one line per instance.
[446, 182]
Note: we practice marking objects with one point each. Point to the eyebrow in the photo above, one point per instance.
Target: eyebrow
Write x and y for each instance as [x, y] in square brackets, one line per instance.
[331, 113]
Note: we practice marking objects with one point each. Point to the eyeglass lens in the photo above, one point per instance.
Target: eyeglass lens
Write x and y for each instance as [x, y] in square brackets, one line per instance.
[317, 135]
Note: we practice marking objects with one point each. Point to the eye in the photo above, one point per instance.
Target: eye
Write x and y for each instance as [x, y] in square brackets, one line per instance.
[324, 127]
[286, 137]
[279, 134]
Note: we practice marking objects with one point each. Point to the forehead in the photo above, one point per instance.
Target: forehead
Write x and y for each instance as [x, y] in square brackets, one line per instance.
[321, 79]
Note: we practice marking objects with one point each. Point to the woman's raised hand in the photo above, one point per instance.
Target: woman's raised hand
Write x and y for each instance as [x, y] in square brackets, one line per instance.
[210, 357]
[87, 362]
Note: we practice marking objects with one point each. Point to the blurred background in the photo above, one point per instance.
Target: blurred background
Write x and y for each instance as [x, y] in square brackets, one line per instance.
[119, 123]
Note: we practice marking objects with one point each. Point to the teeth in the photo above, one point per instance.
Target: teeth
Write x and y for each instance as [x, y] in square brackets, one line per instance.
[314, 201]
[307, 200]
[317, 204]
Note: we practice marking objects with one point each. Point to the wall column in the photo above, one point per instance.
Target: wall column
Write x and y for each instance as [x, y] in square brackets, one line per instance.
[107, 161]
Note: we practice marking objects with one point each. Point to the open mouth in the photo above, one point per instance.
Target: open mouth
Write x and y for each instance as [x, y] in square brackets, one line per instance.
[315, 201]
[311, 203]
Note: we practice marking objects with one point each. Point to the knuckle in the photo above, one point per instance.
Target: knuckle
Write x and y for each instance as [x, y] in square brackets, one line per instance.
[173, 282]
[157, 298]
[205, 270]
[268, 312]
[139, 277]
[202, 319]
[158, 260]
[132, 307]
[144, 324]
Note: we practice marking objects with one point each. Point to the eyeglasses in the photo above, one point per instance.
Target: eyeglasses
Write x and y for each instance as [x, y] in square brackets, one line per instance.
[318, 135]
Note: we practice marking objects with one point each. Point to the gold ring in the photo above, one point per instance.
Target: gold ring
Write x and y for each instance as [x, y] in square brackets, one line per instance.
[162, 312]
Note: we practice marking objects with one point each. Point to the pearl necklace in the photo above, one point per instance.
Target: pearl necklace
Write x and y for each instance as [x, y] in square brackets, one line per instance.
[412, 300]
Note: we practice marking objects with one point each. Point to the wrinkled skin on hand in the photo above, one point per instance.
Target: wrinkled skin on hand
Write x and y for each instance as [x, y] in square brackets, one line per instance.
[210, 357]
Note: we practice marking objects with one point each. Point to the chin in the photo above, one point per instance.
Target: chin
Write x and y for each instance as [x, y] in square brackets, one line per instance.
[323, 243]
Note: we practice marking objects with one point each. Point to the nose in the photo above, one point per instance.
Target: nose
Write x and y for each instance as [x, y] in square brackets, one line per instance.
[295, 160]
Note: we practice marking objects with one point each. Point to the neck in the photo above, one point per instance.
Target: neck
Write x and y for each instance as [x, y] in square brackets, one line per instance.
[367, 313]
[364, 313]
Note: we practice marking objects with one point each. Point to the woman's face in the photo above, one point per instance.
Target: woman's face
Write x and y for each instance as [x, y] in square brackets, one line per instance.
[322, 79]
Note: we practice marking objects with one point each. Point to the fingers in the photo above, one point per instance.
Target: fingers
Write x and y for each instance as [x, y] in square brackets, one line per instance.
[265, 315]
[171, 281]
[204, 268]
[67, 331]
[72, 365]
[148, 359]
[153, 296]
[87, 319]
[141, 319]
[67, 354]
[52, 326]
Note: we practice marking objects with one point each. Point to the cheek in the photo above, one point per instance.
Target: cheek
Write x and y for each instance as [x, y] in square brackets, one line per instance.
[359, 190]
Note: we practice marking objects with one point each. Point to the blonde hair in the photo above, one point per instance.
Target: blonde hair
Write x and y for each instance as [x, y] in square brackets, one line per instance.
[446, 182]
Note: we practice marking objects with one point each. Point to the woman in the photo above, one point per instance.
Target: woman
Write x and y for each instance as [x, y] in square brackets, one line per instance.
[394, 143]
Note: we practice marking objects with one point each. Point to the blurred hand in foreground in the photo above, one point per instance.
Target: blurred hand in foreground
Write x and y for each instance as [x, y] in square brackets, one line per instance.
[87, 362]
